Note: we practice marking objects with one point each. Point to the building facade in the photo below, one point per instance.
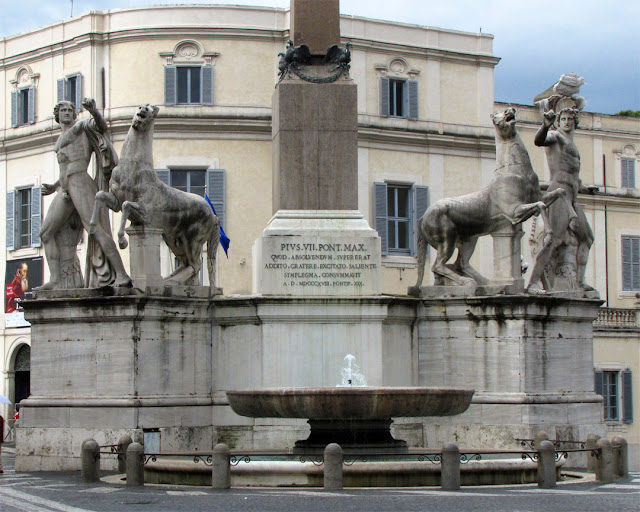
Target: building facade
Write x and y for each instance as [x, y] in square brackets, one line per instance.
[425, 96]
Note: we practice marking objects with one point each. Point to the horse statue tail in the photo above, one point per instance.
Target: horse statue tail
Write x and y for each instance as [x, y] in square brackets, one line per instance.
[422, 252]
[212, 250]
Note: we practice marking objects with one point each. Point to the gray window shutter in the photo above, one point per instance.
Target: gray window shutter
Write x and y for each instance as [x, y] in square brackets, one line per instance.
[628, 173]
[627, 397]
[61, 87]
[421, 203]
[170, 90]
[626, 263]
[384, 97]
[216, 192]
[207, 85]
[14, 109]
[598, 384]
[412, 99]
[11, 227]
[163, 174]
[32, 105]
[36, 216]
[78, 99]
[630, 263]
[635, 263]
[380, 207]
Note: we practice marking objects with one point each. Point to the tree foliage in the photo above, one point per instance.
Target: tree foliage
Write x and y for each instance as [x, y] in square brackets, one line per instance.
[629, 113]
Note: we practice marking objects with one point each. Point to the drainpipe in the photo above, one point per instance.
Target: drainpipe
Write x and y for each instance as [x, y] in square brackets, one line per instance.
[606, 230]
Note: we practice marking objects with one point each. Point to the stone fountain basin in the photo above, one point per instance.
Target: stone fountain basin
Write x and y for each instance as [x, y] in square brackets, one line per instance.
[357, 403]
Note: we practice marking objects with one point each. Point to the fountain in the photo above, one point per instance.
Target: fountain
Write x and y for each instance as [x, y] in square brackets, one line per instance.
[353, 415]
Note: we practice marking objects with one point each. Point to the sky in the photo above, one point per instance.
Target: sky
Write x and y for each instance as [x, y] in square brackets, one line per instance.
[537, 40]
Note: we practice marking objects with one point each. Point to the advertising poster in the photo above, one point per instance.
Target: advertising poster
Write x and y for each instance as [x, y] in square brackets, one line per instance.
[21, 277]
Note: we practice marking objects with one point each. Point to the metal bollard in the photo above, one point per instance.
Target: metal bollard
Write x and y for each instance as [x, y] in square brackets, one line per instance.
[90, 455]
[604, 462]
[592, 441]
[333, 477]
[540, 436]
[450, 467]
[620, 457]
[546, 465]
[135, 465]
[220, 467]
[123, 444]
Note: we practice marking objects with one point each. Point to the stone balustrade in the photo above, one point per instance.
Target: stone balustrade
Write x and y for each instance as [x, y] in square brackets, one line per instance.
[617, 318]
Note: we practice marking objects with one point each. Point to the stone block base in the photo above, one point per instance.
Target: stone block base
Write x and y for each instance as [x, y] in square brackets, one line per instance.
[317, 253]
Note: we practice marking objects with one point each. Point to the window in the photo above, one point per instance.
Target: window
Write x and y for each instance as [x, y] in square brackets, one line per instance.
[189, 181]
[398, 206]
[23, 107]
[197, 181]
[616, 389]
[23, 218]
[630, 263]
[188, 85]
[398, 98]
[628, 173]
[70, 89]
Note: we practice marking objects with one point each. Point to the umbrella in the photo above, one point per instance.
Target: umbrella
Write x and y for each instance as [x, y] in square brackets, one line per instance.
[4, 400]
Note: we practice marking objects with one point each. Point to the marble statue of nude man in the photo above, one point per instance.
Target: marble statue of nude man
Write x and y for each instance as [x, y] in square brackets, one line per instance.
[572, 237]
[76, 194]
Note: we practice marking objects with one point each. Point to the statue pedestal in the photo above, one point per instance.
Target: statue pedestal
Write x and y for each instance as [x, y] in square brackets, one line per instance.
[507, 258]
[107, 366]
[144, 253]
[317, 252]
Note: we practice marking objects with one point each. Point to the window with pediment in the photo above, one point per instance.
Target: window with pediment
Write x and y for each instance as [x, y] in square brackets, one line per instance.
[188, 74]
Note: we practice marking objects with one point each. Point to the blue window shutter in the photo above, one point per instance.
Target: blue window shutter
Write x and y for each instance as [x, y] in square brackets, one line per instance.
[61, 87]
[627, 397]
[163, 174]
[36, 216]
[216, 192]
[207, 85]
[78, 99]
[14, 109]
[412, 99]
[11, 226]
[598, 383]
[384, 97]
[420, 205]
[380, 213]
[32, 105]
[170, 89]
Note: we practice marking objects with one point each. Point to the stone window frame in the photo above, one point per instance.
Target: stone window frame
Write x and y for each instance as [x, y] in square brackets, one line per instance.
[627, 152]
[623, 392]
[12, 218]
[24, 80]
[189, 53]
[215, 177]
[629, 290]
[63, 86]
[419, 198]
[399, 69]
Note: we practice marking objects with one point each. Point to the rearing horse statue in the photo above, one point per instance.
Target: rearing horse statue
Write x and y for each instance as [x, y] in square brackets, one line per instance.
[186, 220]
[512, 197]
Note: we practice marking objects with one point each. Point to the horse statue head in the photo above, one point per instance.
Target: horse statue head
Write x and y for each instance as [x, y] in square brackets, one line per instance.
[144, 117]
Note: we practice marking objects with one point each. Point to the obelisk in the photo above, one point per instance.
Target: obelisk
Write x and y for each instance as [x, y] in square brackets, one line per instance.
[315, 125]
[317, 242]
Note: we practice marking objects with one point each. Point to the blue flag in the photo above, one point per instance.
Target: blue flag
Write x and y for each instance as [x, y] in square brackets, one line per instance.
[224, 239]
